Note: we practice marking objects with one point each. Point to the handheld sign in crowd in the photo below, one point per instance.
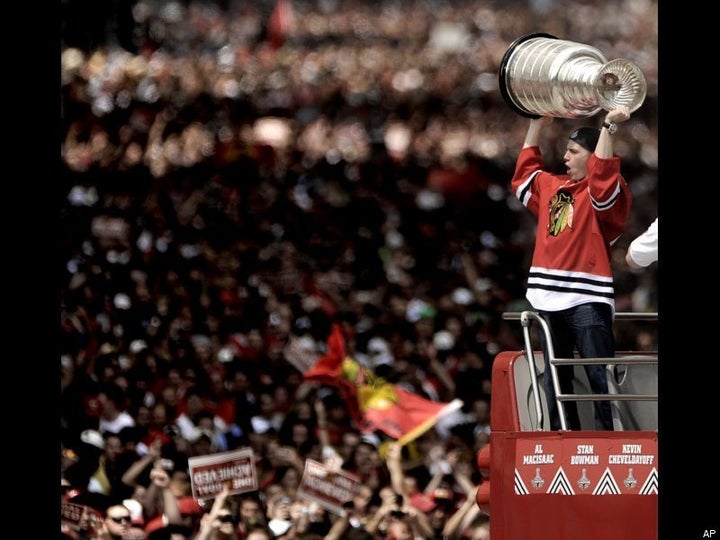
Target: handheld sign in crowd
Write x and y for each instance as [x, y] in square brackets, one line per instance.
[329, 488]
[236, 469]
[78, 516]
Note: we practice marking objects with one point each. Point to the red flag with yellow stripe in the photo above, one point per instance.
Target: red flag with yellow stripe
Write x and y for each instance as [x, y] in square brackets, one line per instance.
[374, 403]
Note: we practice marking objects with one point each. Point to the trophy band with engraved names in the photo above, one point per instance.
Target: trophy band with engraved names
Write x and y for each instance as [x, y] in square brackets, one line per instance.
[541, 75]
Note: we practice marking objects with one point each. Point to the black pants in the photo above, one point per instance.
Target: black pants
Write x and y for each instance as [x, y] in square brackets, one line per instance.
[589, 328]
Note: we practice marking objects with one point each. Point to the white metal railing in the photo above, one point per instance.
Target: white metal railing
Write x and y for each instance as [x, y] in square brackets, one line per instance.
[527, 317]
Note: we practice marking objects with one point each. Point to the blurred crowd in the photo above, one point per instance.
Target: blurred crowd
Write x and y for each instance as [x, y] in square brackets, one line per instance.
[237, 177]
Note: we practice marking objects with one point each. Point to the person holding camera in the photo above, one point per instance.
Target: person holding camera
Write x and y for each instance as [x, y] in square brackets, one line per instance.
[170, 499]
[219, 523]
[396, 514]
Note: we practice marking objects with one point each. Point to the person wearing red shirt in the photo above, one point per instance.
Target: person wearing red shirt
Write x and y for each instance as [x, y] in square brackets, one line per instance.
[580, 214]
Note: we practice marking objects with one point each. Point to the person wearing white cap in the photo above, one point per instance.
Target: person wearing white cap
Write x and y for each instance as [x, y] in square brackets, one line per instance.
[93, 438]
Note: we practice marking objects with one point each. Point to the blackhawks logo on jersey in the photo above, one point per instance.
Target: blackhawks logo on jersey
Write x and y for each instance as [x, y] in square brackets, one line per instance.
[561, 212]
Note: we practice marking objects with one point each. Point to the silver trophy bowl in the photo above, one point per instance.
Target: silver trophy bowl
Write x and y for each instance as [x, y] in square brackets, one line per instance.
[541, 75]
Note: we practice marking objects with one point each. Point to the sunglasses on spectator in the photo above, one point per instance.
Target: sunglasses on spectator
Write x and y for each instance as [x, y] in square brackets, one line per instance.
[226, 518]
[120, 519]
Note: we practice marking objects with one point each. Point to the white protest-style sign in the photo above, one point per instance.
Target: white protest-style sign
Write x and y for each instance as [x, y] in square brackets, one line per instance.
[209, 473]
[72, 514]
[327, 487]
[300, 352]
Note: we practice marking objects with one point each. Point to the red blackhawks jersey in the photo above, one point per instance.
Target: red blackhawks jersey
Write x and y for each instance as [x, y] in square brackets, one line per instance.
[577, 223]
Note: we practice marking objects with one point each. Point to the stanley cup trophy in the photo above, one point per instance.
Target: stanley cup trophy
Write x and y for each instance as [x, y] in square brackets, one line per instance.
[541, 75]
